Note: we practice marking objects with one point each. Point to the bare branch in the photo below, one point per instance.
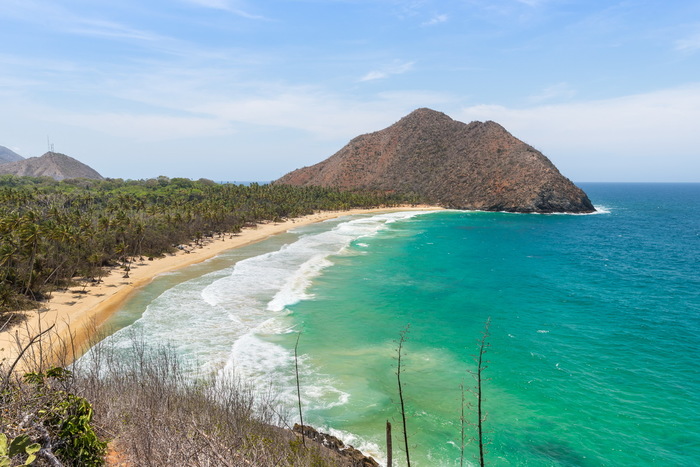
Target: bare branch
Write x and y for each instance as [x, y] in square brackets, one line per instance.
[24, 349]
[403, 337]
[296, 369]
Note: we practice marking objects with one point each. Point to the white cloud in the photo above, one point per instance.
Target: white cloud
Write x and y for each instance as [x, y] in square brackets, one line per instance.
[553, 92]
[373, 75]
[54, 16]
[532, 3]
[394, 68]
[132, 125]
[148, 127]
[689, 44]
[234, 7]
[645, 136]
[323, 116]
[99, 28]
[437, 19]
[217, 4]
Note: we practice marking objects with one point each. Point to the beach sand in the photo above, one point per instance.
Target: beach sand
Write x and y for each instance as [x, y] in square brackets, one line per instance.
[77, 313]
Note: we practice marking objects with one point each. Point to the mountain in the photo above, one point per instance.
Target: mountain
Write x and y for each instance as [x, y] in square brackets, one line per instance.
[51, 164]
[464, 166]
[8, 155]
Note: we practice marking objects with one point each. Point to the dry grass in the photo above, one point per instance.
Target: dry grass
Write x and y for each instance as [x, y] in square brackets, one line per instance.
[155, 414]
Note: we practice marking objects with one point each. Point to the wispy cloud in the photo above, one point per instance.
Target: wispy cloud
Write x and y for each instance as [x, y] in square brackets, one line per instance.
[532, 3]
[437, 19]
[234, 7]
[631, 132]
[394, 68]
[66, 21]
[313, 111]
[689, 44]
[162, 103]
[109, 29]
[554, 92]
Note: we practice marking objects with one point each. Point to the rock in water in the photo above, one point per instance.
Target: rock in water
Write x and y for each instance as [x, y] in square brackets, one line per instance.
[476, 166]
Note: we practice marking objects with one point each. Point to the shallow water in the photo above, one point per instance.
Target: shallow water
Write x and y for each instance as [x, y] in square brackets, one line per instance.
[594, 336]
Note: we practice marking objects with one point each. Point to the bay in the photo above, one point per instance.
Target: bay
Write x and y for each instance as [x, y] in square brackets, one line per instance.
[594, 334]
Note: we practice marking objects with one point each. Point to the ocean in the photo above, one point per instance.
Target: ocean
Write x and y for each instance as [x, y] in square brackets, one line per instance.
[593, 343]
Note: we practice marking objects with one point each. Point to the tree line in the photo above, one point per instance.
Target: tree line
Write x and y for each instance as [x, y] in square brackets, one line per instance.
[52, 232]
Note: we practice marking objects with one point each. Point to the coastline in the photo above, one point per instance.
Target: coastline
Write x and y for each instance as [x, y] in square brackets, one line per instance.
[78, 312]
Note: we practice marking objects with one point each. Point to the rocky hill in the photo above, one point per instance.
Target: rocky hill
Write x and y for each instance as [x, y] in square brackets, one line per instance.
[465, 166]
[51, 164]
[8, 155]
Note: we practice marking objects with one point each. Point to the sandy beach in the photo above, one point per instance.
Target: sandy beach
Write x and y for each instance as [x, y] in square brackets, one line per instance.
[78, 312]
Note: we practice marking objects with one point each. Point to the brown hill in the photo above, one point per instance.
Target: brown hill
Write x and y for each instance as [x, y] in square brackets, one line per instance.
[465, 166]
[8, 155]
[52, 164]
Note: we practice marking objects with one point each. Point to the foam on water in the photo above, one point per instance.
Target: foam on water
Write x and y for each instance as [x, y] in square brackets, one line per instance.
[258, 292]
[294, 289]
[227, 322]
[369, 448]
[265, 364]
[598, 210]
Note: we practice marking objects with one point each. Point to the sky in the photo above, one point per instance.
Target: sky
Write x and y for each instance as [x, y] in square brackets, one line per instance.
[243, 90]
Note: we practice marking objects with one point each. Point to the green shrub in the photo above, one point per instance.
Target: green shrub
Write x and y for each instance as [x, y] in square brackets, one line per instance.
[21, 445]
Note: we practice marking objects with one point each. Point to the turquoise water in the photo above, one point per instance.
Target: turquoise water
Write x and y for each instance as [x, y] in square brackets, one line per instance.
[594, 335]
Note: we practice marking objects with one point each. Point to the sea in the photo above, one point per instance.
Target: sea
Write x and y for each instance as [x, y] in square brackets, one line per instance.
[590, 325]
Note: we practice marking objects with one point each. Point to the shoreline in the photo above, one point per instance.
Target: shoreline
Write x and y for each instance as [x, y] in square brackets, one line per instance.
[78, 312]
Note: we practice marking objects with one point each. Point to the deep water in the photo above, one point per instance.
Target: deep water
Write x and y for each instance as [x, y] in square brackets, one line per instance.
[594, 335]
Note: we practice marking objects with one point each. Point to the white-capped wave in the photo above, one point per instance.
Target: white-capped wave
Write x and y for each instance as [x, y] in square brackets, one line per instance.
[598, 210]
[260, 289]
[282, 278]
[265, 364]
[369, 448]
[296, 286]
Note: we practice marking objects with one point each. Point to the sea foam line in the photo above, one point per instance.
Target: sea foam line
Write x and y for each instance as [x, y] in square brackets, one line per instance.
[262, 288]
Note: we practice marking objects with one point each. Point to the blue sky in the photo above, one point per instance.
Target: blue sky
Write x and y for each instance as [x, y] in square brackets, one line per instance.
[249, 90]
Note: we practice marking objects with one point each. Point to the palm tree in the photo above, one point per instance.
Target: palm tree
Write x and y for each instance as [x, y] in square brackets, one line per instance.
[30, 233]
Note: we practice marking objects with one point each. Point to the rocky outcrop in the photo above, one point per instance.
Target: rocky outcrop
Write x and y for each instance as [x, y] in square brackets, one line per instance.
[52, 164]
[477, 166]
[8, 155]
[349, 456]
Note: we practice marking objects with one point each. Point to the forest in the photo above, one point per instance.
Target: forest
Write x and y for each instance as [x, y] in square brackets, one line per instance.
[53, 232]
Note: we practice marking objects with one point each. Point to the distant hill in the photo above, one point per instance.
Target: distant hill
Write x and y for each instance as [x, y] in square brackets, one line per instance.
[8, 155]
[464, 166]
[51, 164]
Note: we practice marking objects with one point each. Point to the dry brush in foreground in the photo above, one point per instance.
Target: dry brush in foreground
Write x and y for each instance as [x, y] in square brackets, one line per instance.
[152, 412]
